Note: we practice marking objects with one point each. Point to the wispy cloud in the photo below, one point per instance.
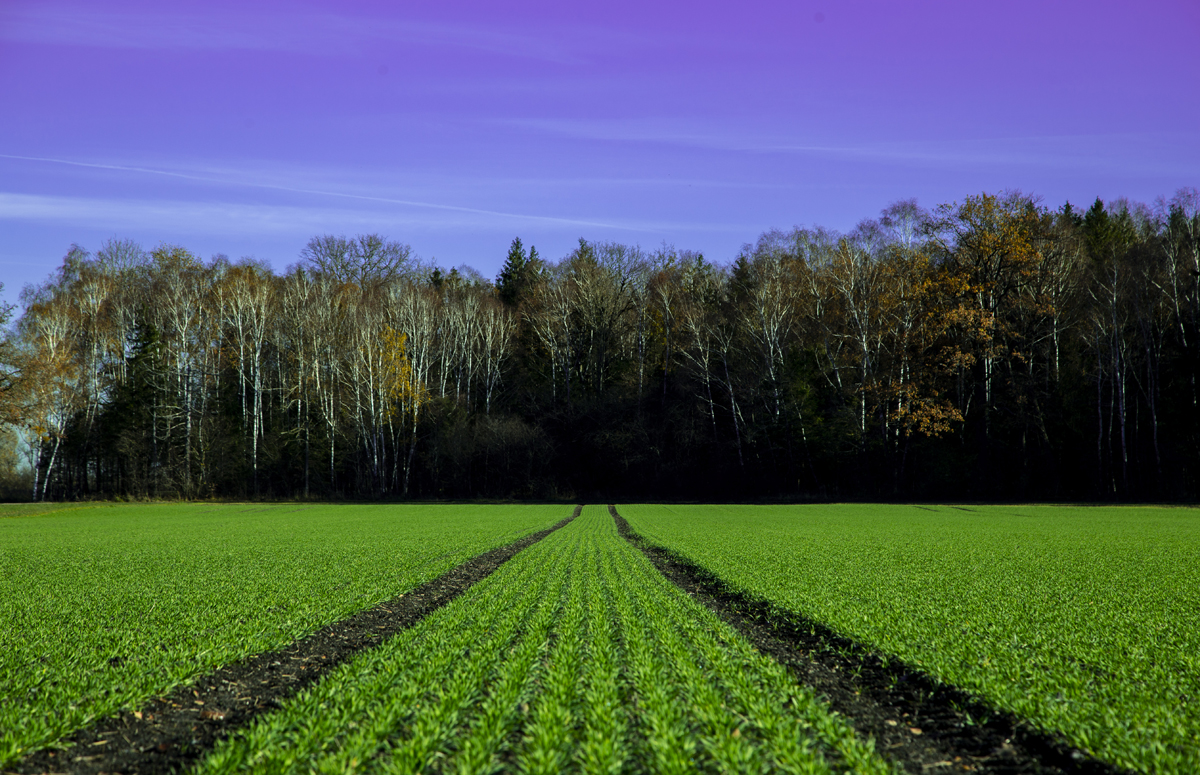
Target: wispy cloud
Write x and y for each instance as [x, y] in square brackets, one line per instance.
[195, 217]
[208, 217]
[292, 31]
[89, 25]
[1123, 152]
[175, 216]
[225, 180]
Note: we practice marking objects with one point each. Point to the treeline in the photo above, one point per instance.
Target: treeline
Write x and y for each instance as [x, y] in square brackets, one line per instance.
[989, 349]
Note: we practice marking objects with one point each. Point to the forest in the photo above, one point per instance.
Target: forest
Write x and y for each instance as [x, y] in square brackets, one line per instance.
[989, 349]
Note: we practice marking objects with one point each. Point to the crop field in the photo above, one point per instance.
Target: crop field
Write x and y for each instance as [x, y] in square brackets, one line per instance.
[1082, 620]
[102, 607]
[576, 655]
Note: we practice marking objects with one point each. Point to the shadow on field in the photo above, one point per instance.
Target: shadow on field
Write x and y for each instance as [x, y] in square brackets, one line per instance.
[173, 732]
[923, 725]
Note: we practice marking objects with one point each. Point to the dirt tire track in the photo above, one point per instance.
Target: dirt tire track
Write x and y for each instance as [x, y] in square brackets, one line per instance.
[174, 731]
[886, 701]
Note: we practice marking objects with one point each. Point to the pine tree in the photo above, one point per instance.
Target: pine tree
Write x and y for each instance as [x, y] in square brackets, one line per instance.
[128, 424]
[514, 277]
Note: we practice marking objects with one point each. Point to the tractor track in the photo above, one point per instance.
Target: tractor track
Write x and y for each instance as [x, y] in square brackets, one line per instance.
[175, 730]
[923, 725]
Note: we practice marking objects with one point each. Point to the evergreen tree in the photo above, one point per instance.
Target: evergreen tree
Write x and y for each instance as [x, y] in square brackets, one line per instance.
[514, 277]
[128, 424]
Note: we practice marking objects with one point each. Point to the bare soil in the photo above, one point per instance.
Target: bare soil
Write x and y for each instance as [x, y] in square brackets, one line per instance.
[922, 724]
[172, 732]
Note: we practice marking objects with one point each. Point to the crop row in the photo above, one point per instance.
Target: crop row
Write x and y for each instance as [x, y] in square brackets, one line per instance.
[576, 655]
[104, 607]
[1085, 621]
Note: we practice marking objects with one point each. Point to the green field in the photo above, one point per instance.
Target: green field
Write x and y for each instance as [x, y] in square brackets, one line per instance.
[104, 606]
[1085, 621]
[576, 655]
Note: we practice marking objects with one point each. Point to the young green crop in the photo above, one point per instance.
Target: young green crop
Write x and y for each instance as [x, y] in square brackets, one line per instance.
[105, 606]
[1086, 621]
[576, 655]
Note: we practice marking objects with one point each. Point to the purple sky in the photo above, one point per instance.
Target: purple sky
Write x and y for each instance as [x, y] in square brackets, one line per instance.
[246, 128]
